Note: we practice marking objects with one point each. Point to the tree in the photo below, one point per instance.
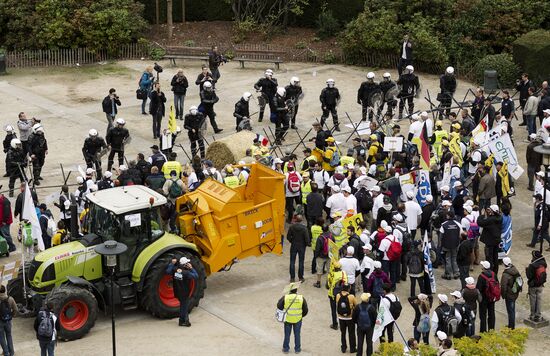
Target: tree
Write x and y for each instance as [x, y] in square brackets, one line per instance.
[269, 13]
[169, 21]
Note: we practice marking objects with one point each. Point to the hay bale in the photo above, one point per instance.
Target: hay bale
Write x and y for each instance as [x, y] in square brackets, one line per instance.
[229, 149]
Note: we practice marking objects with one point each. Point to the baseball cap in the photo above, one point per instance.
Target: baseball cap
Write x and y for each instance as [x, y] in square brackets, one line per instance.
[443, 298]
[507, 261]
[485, 264]
[456, 294]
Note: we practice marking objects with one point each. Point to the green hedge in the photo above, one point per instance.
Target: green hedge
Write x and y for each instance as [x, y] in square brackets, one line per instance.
[504, 64]
[532, 53]
[195, 10]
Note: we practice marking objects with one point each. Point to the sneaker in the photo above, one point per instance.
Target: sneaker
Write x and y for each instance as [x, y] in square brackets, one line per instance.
[40, 178]
[530, 245]
[302, 280]
[285, 351]
[292, 280]
[187, 323]
[293, 127]
[317, 284]
[36, 182]
[522, 124]
[218, 130]
[456, 276]
[337, 128]
[334, 326]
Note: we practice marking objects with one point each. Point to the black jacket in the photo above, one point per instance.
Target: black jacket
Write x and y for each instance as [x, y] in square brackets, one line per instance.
[447, 84]
[450, 238]
[156, 107]
[241, 110]
[92, 146]
[157, 160]
[507, 108]
[481, 284]
[329, 97]
[523, 88]
[427, 211]
[280, 104]
[464, 254]
[16, 158]
[209, 98]
[38, 320]
[116, 138]
[193, 122]
[408, 51]
[182, 279]
[366, 90]
[267, 86]
[107, 105]
[544, 104]
[492, 229]
[409, 84]
[371, 310]
[293, 92]
[200, 81]
[214, 60]
[530, 271]
[298, 236]
[37, 145]
[315, 204]
[490, 112]
[179, 85]
[7, 141]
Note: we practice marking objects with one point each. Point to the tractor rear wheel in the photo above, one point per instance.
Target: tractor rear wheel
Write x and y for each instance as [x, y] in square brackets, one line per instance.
[158, 297]
[76, 308]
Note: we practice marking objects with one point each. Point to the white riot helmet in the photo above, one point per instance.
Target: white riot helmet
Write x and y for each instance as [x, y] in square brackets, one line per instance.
[370, 75]
[410, 68]
[193, 110]
[9, 129]
[450, 70]
[246, 96]
[35, 127]
[120, 121]
[39, 130]
[295, 81]
[207, 85]
[15, 142]
[281, 91]
[268, 73]
[92, 133]
[178, 129]
[330, 83]
[387, 76]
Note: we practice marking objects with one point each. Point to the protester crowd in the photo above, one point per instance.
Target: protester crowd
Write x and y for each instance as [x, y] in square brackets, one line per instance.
[374, 217]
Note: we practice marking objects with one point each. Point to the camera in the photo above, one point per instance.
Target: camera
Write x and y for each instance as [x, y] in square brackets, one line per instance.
[158, 68]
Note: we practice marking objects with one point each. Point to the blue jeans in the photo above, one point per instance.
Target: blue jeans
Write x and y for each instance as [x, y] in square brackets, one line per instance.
[47, 348]
[301, 256]
[184, 313]
[425, 336]
[511, 310]
[531, 124]
[144, 102]
[5, 338]
[5, 232]
[297, 344]
[178, 105]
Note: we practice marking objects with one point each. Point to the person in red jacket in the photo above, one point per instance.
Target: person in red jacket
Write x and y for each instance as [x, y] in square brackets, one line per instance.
[6, 220]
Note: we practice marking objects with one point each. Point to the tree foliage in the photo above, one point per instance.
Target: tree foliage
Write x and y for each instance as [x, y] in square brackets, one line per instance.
[95, 24]
[270, 13]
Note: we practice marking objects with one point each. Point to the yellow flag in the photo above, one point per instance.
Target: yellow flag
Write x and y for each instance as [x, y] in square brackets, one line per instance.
[505, 180]
[333, 250]
[172, 125]
[454, 147]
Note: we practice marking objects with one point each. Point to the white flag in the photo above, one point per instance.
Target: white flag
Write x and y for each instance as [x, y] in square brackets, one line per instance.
[383, 318]
[29, 214]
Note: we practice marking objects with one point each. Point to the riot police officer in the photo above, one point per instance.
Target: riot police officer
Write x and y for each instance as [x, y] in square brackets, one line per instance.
[330, 98]
[10, 135]
[208, 99]
[387, 85]
[242, 113]
[94, 147]
[281, 123]
[268, 87]
[17, 161]
[294, 94]
[364, 95]
[37, 146]
[116, 138]
[447, 84]
[410, 86]
[194, 124]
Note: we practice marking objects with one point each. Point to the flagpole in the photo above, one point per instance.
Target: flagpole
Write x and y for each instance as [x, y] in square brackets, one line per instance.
[400, 333]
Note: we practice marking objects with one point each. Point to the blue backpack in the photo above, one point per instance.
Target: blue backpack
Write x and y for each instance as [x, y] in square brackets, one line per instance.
[363, 318]
[377, 287]
[335, 159]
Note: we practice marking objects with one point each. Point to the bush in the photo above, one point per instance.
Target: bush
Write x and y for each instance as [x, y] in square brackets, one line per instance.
[189, 43]
[503, 63]
[156, 53]
[327, 25]
[505, 342]
[243, 29]
[428, 47]
[329, 57]
[531, 51]
[390, 349]
[300, 45]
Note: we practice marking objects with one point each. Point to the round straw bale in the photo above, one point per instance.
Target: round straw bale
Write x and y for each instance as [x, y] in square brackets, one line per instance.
[229, 149]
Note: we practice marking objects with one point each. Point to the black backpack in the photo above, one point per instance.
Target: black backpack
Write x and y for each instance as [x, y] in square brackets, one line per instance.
[364, 201]
[448, 323]
[45, 328]
[416, 263]
[395, 308]
[344, 307]
[364, 321]
[5, 310]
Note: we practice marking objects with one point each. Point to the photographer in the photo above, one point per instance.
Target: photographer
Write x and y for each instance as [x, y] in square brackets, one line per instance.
[491, 222]
[215, 60]
[204, 77]
[179, 87]
[157, 108]
[184, 276]
[110, 103]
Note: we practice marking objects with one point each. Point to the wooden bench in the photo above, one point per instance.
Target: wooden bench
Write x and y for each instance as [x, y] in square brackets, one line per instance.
[259, 56]
[182, 52]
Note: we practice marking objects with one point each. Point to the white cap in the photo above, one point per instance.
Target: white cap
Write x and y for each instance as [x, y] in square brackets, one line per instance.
[469, 202]
[90, 171]
[346, 189]
[422, 296]
[485, 264]
[122, 167]
[363, 170]
[429, 198]
[540, 174]
[340, 169]
[383, 224]
[277, 160]
[377, 264]
[441, 335]
[388, 228]
[415, 117]
[336, 189]
[184, 260]
[247, 95]
[507, 261]
[533, 135]
[80, 179]
[376, 188]
[350, 250]
[367, 247]
[494, 208]
[445, 188]
[9, 128]
[546, 111]
[93, 188]
[423, 114]
[457, 184]
[456, 294]
[443, 298]
[468, 208]
[410, 194]
[470, 280]
[108, 174]
[397, 217]
[446, 203]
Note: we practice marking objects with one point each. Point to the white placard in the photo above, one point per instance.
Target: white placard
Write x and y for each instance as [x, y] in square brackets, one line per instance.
[134, 219]
[393, 144]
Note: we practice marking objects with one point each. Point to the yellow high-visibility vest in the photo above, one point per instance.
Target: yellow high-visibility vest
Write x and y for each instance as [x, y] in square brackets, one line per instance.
[316, 231]
[294, 309]
[306, 189]
[231, 181]
[345, 161]
[170, 166]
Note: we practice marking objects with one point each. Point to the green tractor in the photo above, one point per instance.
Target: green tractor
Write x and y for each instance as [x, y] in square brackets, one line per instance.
[74, 277]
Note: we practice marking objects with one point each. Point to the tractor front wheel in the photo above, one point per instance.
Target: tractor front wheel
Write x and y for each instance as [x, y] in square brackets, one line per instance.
[158, 296]
[76, 308]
